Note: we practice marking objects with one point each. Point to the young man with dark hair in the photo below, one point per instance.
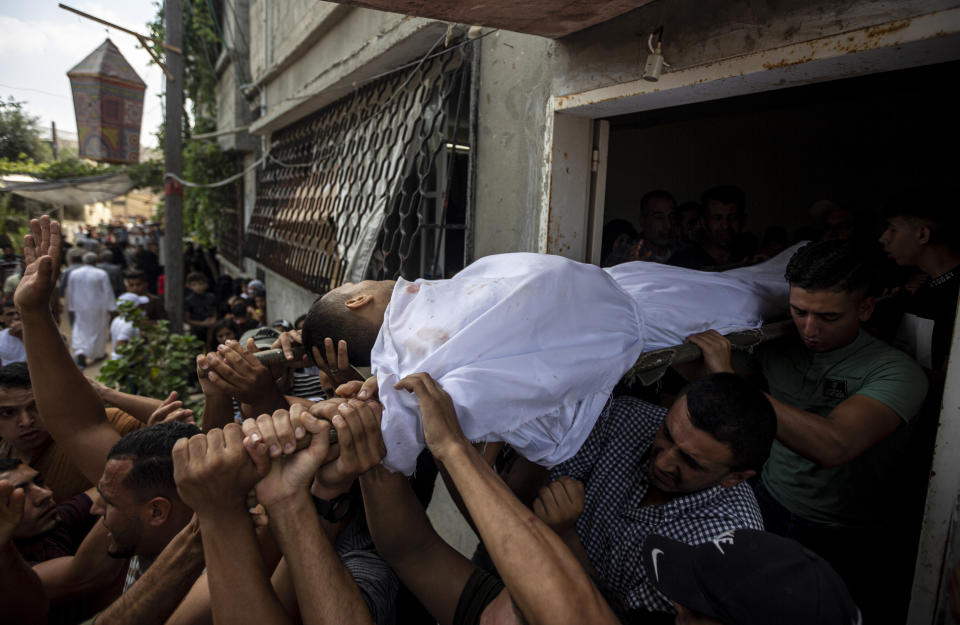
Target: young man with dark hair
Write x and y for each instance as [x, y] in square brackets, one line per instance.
[923, 231]
[680, 472]
[135, 281]
[723, 212]
[24, 436]
[656, 224]
[200, 306]
[844, 401]
[11, 337]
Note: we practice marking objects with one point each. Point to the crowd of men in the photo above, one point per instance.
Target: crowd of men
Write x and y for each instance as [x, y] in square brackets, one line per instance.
[761, 491]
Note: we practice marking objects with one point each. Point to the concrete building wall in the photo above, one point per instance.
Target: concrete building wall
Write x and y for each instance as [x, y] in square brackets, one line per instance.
[519, 73]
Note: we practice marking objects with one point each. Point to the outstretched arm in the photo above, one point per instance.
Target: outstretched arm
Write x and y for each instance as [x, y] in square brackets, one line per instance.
[213, 475]
[855, 425]
[163, 586]
[544, 579]
[434, 571]
[325, 590]
[70, 408]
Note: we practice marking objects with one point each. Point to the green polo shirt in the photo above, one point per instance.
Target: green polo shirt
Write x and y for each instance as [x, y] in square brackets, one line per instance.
[861, 492]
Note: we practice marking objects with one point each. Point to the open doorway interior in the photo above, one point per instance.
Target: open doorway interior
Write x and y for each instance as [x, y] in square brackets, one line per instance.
[853, 142]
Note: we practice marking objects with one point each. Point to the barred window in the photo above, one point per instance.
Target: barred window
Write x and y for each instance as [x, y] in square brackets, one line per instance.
[373, 185]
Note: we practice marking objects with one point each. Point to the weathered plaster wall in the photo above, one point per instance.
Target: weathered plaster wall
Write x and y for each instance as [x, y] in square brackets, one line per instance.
[519, 73]
[317, 52]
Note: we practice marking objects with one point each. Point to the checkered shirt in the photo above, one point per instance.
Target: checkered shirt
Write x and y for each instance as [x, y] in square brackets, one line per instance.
[612, 464]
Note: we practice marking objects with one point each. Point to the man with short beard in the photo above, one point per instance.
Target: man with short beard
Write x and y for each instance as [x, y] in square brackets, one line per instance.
[680, 473]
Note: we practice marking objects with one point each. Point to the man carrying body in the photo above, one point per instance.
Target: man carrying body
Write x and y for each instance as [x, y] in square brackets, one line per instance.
[843, 401]
[679, 473]
[90, 298]
[565, 334]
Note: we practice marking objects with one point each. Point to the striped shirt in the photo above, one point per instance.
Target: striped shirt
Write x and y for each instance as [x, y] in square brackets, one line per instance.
[377, 582]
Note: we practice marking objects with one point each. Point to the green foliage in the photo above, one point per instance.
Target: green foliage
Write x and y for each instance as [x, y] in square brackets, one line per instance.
[19, 134]
[148, 174]
[203, 161]
[154, 363]
[13, 223]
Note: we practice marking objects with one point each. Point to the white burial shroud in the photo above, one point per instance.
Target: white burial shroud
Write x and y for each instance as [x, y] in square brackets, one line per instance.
[530, 346]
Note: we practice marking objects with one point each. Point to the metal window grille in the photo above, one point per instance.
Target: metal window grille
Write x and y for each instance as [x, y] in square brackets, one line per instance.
[373, 185]
[230, 225]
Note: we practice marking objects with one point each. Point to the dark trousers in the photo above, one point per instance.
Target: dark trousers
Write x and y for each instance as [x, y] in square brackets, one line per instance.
[874, 562]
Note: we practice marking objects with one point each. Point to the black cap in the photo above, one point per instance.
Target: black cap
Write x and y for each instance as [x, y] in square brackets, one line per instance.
[747, 577]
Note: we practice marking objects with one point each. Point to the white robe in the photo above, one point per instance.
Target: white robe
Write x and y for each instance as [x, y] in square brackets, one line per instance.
[530, 346]
[90, 297]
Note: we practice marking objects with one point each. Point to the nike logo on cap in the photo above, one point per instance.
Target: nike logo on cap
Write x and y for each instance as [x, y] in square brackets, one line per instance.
[655, 554]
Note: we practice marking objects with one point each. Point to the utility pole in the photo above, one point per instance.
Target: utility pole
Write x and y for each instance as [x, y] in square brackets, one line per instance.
[53, 139]
[173, 163]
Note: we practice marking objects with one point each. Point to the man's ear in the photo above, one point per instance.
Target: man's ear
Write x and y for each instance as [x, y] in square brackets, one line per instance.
[867, 304]
[358, 301]
[923, 234]
[158, 510]
[734, 478]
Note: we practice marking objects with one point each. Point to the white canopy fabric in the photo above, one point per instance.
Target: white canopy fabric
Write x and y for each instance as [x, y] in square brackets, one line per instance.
[69, 191]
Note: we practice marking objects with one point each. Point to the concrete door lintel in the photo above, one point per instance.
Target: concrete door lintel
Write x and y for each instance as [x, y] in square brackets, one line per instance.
[564, 192]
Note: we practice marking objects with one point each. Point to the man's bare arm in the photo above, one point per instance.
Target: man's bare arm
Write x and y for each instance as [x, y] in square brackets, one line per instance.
[69, 407]
[428, 566]
[853, 427]
[88, 570]
[544, 578]
[163, 586]
[137, 406]
[213, 475]
[325, 590]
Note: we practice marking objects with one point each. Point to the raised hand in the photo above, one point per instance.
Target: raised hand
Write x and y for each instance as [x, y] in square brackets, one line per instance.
[235, 371]
[213, 472]
[171, 410]
[41, 254]
[364, 390]
[335, 369]
[286, 342]
[11, 510]
[441, 430]
[716, 350]
[270, 441]
[361, 447]
[559, 504]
